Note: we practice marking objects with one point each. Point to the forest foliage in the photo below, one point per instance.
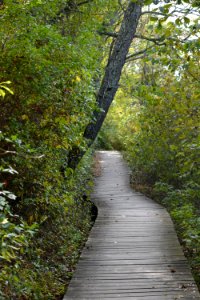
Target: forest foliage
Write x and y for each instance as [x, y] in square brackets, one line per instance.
[53, 55]
[50, 67]
[155, 121]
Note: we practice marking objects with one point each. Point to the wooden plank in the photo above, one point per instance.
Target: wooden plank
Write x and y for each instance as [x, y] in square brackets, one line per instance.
[133, 251]
[161, 295]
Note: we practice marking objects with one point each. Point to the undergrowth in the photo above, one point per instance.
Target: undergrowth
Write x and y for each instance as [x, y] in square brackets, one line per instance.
[45, 266]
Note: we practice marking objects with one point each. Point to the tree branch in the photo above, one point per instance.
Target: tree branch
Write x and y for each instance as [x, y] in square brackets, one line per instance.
[84, 2]
[136, 58]
[138, 53]
[154, 13]
[111, 34]
[158, 41]
[6, 152]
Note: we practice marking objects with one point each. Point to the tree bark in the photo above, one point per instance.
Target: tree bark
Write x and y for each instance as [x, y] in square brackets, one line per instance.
[109, 84]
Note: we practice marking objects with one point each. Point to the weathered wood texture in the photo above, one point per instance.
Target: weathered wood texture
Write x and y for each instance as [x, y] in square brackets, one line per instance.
[132, 251]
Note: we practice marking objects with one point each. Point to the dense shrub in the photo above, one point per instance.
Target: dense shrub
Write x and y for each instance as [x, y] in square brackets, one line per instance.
[156, 116]
[49, 71]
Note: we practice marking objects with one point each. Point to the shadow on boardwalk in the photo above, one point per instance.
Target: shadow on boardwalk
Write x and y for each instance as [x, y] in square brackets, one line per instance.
[132, 251]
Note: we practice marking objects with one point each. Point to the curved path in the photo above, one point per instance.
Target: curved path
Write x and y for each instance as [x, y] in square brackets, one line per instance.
[132, 251]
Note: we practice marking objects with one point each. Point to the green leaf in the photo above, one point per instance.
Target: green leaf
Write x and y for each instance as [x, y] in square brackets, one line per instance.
[178, 21]
[148, 2]
[5, 82]
[2, 93]
[7, 89]
[186, 20]
[159, 26]
[153, 19]
[11, 196]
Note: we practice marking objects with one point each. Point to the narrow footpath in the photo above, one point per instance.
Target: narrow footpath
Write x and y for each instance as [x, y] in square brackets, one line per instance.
[132, 251]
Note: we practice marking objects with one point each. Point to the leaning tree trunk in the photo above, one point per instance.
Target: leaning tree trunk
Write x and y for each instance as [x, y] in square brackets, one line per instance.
[112, 75]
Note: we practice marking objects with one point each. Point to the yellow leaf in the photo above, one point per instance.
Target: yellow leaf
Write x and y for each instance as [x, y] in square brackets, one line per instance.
[78, 79]
[24, 117]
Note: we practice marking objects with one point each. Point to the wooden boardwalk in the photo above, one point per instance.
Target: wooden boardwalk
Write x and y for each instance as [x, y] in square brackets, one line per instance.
[133, 251]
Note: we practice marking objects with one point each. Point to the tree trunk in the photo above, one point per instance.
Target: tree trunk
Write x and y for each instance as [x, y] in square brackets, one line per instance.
[112, 75]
